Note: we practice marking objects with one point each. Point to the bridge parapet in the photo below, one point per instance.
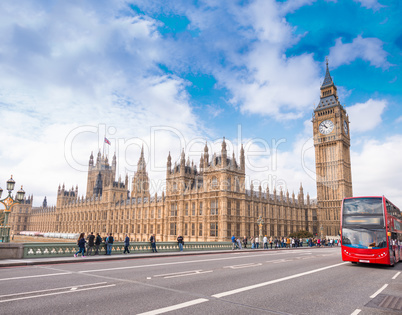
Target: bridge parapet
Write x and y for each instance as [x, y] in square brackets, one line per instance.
[43, 250]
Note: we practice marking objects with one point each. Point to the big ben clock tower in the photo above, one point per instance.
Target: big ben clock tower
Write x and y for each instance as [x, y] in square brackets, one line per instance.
[332, 157]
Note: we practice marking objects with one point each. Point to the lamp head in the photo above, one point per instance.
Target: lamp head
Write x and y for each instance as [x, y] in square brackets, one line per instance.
[20, 195]
[10, 184]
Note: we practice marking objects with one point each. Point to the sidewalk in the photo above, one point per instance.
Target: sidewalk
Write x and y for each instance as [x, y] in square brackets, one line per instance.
[66, 260]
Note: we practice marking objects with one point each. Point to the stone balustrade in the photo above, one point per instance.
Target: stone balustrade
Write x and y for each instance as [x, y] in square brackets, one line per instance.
[43, 250]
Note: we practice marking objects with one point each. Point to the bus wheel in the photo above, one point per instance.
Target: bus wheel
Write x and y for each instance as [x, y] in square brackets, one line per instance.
[354, 262]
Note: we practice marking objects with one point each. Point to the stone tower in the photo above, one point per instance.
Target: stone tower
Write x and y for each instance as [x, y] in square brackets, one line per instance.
[100, 175]
[332, 157]
[140, 187]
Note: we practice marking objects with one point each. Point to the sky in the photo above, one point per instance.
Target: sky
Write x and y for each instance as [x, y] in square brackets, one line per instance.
[174, 75]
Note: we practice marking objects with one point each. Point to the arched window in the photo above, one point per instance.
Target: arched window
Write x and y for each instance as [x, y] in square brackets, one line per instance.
[214, 183]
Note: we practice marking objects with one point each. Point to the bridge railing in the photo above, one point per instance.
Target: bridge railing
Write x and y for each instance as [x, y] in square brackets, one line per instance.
[43, 250]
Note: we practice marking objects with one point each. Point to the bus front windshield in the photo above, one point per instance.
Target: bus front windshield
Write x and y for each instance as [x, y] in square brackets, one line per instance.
[364, 238]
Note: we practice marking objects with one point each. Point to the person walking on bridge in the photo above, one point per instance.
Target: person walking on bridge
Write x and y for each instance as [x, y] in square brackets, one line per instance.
[81, 244]
[126, 244]
[91, 243]
[180, 242]
[110, 241]
[153, 243]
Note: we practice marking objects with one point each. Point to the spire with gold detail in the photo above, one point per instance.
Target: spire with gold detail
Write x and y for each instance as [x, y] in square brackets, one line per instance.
[329, 94]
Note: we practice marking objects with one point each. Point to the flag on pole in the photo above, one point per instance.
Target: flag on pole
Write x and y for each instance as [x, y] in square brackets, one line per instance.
[107, 141]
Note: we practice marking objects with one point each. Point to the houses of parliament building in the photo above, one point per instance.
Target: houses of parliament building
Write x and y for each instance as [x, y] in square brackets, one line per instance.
[208, 203]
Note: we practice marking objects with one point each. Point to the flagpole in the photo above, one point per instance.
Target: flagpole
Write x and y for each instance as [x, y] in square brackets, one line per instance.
[104, 137]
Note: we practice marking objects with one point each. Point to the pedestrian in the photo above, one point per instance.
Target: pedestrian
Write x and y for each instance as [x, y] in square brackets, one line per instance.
[257, 242]
[110, 241]
[98, 241]
[271, 241]
[180, 242]
[81, 244]
[238, 243]
[233, 242]
[91, 243]
[153, 243]
[105, 241]
[126, 244]
[245, 241]
[265, 241]
[252, 243]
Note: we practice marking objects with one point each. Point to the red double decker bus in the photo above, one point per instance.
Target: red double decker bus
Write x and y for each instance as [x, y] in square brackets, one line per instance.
[371, 231]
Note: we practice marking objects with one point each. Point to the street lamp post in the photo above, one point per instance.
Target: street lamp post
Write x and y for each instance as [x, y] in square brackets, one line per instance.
[260, 222]
[321, 229]
[8, 203]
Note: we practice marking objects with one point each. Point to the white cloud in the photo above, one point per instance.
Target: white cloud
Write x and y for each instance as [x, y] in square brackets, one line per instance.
[368, 49]
[87, 68]
[377, 169]
[366, 116]
[292, 5]
[264, 80]
[214, 111]
[370, 4]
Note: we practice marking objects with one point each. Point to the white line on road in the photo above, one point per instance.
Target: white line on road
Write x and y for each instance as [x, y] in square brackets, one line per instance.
[356, 311]
[177, 263]
[183, 274]
[243, 266]
[47, 290]
[190, 274]
[397, 274]
[278, 261]
[57, 293]
[38, 276]
[379, 291]
[176, 273]
[174, 307]
[219, 295]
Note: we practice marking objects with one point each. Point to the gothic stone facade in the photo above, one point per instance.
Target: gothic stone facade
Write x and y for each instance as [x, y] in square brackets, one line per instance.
[209, 203]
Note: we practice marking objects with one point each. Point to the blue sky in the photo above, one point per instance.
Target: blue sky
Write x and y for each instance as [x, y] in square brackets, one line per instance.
[174, 74]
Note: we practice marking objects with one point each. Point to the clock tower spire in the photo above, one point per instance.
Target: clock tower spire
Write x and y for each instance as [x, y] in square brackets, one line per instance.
[332, 156]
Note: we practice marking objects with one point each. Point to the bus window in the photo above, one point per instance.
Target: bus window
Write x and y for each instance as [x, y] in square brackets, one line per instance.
[363, 206]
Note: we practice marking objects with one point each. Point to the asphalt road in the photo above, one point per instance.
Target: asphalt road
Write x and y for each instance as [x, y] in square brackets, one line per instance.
[308, 281]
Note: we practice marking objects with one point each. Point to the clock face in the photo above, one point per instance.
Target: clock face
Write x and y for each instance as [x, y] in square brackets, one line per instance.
[345, 127]
[326, 127]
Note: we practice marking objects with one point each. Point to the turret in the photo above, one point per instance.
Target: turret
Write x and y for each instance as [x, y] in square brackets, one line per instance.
[201, 163]
[242, 158]
[182, 163]
[169, 165]
[91, 159]
[223, 153]
[114, 161]
[206, 156]
[301, 195]
[98, 159]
